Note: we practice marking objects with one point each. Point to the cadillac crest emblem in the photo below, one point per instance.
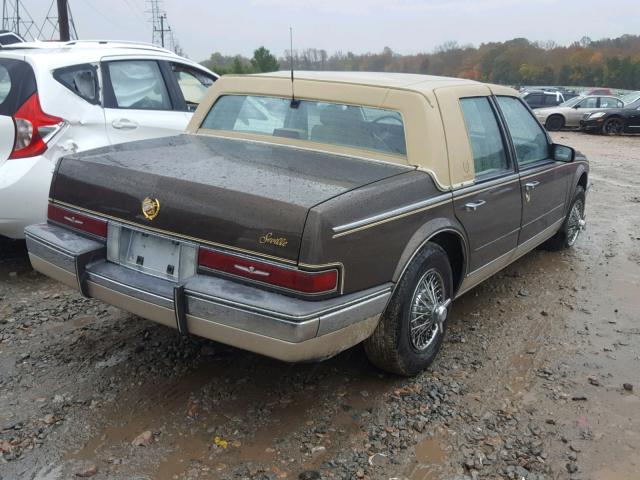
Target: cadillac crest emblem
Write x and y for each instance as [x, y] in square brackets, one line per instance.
[150, 208]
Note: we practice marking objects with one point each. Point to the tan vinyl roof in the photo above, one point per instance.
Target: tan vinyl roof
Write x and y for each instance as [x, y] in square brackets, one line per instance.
[408, 81]
[434, 128]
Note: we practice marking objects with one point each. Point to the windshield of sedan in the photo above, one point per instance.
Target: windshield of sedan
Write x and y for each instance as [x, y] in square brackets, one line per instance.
[630, 97]
[337, 124]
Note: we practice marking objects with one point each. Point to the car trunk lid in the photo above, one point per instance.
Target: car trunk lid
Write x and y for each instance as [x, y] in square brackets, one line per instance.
[243, 195]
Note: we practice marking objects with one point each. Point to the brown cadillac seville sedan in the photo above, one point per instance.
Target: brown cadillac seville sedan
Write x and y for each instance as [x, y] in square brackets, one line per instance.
[297, 227]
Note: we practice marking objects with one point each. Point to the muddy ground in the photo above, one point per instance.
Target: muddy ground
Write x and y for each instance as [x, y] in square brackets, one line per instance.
[530, 383]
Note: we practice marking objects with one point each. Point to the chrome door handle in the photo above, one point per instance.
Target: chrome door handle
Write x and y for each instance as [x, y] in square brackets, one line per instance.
[473, 206]
[531, 185]
[124, 124]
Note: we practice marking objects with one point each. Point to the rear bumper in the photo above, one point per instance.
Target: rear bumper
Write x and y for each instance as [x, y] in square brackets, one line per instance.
[24, 190]
[246, 317]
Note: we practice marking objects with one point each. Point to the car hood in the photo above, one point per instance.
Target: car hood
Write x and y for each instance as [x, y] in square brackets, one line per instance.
[249, 196]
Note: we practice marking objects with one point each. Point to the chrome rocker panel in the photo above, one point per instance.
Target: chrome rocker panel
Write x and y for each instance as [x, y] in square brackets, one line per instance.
[268, 323]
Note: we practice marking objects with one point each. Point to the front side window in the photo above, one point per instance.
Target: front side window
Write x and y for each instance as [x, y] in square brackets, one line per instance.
[193, 84]
[81, 80]
[591, 102]
[336, 124]
[489, 156]
[138, 84]
[528, 137]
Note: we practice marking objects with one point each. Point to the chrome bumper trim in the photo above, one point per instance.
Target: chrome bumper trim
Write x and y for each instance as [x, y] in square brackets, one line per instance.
[214, 307]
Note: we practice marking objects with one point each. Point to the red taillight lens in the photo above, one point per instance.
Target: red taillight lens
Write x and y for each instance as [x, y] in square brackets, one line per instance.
[289, 278]
[78, 221]
[32, 126]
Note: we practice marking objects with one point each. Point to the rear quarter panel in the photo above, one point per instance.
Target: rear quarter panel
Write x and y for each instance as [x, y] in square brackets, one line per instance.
[376, 253]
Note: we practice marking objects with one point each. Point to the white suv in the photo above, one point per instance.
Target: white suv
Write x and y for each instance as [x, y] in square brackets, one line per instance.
[61, 98]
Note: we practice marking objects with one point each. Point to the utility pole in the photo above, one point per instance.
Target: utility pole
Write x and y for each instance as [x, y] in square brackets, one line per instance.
[18, 17]
[160, 24]
[63, 20]
[162, 17]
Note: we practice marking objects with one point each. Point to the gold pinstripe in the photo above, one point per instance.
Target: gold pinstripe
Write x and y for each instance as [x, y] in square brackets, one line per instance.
[391, 219]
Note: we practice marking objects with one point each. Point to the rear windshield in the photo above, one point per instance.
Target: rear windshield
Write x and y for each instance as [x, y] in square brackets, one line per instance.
[17, 84]
[363, 127]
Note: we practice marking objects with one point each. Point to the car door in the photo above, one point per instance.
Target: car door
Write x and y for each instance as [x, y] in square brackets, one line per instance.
[543, 181]
[140, 100]
[633, 121]
[489, 209]
[579, 110]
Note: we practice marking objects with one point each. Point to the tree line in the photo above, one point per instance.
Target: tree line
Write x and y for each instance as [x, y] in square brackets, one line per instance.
[610, 62]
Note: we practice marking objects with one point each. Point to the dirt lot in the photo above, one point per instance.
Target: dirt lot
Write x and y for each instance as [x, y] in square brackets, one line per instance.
[530, 383]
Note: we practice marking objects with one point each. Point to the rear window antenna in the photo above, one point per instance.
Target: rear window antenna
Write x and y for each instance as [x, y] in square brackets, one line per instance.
[294, 103]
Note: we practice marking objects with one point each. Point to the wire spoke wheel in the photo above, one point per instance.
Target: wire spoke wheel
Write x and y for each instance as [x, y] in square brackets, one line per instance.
[575, 223]
[427, 296]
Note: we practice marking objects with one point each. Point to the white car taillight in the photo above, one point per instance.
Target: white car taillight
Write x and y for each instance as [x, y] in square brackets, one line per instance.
[33, 129]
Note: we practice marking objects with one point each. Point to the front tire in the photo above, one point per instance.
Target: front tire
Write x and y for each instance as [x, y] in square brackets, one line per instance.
[412, 327]
[573, 224]
[554, 123]
[613, 126]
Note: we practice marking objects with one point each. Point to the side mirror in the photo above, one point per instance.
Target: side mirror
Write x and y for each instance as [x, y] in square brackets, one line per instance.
[562, 153]
[576, 106]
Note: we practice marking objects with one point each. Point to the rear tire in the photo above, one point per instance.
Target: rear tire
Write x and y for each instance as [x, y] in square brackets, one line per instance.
[554, 123]
[573, 224]
[410, 332]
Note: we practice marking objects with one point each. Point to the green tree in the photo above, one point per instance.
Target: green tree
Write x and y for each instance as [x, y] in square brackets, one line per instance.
[264, 61]
[236, 66]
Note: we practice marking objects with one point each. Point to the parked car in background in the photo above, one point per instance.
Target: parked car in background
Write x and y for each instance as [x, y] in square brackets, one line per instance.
[569, 113]
[630, 97]
[597, 91]
[61, 98]
[542, 98]
[614, 121]
[8, 37]
[357, 211]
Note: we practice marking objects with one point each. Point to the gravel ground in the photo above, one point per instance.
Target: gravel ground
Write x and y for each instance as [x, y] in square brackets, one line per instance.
[538, 378]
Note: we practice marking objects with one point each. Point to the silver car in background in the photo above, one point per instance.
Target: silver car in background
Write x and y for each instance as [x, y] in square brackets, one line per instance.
[569, 113]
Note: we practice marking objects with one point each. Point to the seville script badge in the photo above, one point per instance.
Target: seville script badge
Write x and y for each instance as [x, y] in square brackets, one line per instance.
[150, 208]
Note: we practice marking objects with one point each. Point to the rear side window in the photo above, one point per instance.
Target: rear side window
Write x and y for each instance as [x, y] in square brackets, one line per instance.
[336, 124]
[552, 100]
[534, 99]
[489, 156]
[608, 102]
[81, 80]
[17, 84]
[138, 84]
[529, 139]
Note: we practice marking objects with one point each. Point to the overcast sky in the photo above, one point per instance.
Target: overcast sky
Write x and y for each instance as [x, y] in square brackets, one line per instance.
[407, 26]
